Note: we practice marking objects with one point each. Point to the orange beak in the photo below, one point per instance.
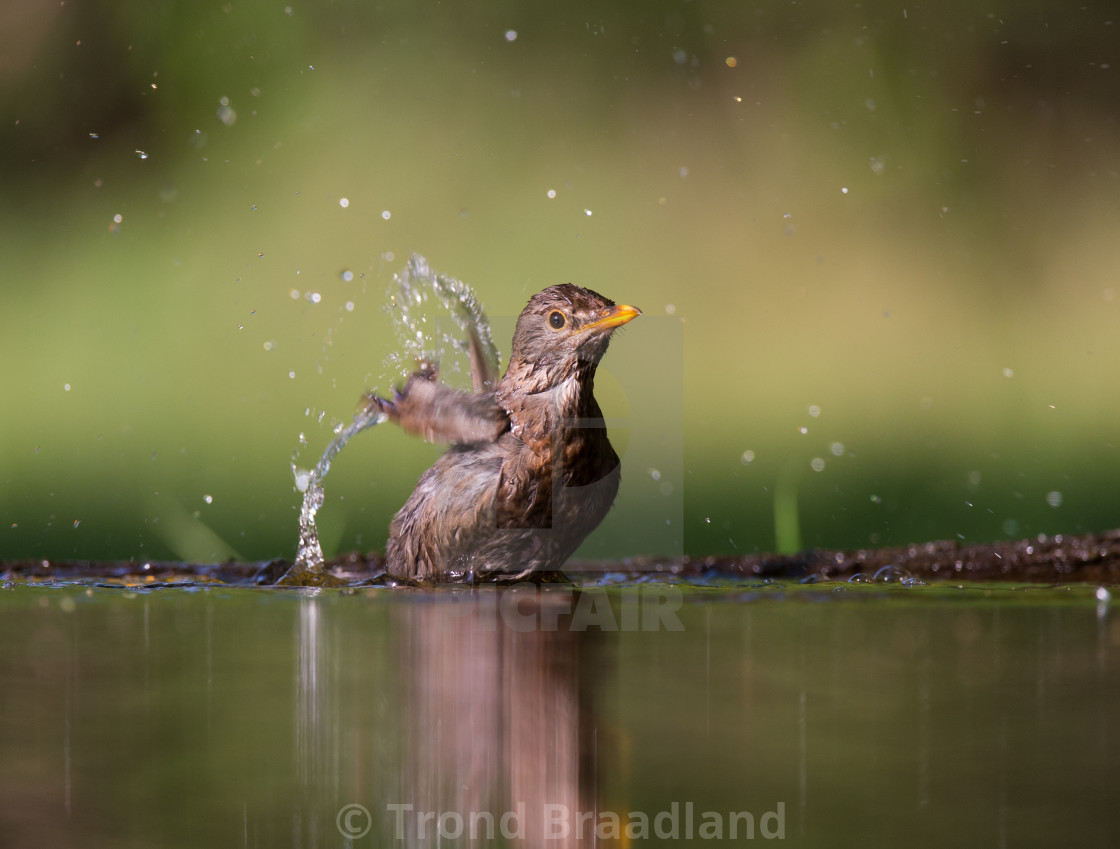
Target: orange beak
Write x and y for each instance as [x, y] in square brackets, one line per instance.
[614, 317]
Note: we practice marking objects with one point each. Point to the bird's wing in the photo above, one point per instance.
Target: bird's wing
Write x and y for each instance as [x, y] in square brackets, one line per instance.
[439, 413]
[483, 375]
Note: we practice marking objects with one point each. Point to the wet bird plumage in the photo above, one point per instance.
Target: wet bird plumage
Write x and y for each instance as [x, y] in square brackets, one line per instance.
[530, 471]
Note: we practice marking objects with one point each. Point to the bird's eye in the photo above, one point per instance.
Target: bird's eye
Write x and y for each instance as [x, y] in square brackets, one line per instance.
[556, 319]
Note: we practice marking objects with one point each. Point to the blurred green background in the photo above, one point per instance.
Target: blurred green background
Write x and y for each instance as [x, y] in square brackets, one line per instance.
[876, 248]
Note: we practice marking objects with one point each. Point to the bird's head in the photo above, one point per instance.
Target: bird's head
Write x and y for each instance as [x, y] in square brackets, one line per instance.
[563, 331]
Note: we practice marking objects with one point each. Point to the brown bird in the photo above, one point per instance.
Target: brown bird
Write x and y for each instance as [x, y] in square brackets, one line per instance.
[530, 472]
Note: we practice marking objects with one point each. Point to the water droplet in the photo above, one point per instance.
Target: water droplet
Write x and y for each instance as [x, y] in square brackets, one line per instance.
[587, 212]
[747, 457]
[291, 375]
[683, 170]
[511, 35]
[670, 309]
[386, 214]
[1008, 373]
[843, 190]
[344, 202]
[1103, 595]
[551, 193]
[226, 114]
[141, 154]
[876, 499]
[1054, 498]
[817, 464]
[349, 306]
[269, 345]
[66, 387]
[814, 410]
[313, 297]
[655, 474]
[294, 294]
[837, 449]
[803, 430]
[347, 275]
[890, 574]
[731, 61]
[209, 499]
[974, 478]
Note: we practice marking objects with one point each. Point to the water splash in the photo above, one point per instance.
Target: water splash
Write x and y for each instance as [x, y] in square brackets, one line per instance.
[308, 569]
[409, 304]
[421, 338]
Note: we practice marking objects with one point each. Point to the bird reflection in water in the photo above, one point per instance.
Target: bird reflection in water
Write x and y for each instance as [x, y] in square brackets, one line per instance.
[499, 719]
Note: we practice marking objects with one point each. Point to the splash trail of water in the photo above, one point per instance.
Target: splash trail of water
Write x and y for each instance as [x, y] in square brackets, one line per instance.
[419, 334]
[309, 554]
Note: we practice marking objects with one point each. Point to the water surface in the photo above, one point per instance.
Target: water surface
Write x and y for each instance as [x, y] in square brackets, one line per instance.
[862, 715]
